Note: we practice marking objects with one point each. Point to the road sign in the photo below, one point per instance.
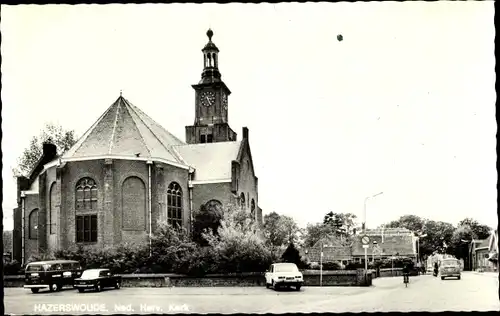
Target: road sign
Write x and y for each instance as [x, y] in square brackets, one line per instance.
[365, 240]
[366, 246]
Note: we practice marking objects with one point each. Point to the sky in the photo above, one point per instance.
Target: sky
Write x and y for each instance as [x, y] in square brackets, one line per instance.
[404, 104]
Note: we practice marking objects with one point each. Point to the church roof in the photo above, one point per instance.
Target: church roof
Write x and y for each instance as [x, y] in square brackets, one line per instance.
[124, 130]
[212, 161]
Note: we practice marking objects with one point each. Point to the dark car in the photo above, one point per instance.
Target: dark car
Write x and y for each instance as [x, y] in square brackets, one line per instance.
[97, 279]
[52, 274]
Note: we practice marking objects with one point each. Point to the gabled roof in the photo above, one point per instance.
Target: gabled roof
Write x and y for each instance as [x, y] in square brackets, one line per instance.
[212, 161]
[124, 130]
[393, 244]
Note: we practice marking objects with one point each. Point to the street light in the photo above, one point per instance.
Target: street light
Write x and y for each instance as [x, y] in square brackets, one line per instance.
[364, 209]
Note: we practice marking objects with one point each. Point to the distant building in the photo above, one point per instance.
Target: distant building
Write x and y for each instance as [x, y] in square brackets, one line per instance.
[127, 173]
[388, 243]
[485, 253]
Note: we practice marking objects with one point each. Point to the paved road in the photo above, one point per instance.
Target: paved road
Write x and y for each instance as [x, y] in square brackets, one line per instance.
[474, 292]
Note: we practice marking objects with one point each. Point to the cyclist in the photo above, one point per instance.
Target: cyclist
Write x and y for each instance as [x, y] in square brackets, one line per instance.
[406, 274]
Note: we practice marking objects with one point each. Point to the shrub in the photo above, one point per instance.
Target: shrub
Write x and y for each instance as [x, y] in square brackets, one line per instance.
[239, 247]
[331, 266]
[354, 266]
[12, 268]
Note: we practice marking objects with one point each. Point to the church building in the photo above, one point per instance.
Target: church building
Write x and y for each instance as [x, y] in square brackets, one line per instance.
[127, 173]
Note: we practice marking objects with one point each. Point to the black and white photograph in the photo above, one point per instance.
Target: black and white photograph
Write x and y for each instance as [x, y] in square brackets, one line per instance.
[249, 158]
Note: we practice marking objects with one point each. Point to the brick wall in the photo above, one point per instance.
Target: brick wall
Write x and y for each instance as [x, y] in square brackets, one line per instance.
[311, 278]
[202, 193]
[30, 245]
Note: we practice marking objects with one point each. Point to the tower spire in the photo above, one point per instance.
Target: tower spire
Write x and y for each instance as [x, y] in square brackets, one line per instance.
[210, 61]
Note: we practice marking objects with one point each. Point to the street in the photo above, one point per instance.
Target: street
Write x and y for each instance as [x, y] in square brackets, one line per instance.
[474, 292]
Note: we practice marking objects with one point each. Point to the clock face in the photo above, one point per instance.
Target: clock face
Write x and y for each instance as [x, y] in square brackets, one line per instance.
[207, 98]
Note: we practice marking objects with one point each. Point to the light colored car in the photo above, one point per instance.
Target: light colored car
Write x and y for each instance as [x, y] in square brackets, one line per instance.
[450, 268]
[284, 275]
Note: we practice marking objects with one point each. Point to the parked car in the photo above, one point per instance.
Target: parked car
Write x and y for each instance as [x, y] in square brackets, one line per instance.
[52, 274]
[450, 268]
[97, 279]
[284, 275]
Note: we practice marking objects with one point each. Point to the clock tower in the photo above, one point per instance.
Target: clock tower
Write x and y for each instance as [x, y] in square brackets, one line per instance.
[211, 102]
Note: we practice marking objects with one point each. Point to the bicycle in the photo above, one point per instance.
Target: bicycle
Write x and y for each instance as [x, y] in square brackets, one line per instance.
[406, 279]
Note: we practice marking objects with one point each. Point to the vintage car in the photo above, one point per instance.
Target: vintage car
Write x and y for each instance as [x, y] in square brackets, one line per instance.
[97, 279]
[450, 268]
[51, 274]
[284, 275]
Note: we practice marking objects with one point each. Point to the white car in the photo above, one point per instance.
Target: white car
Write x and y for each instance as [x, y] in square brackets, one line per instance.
[284, 275]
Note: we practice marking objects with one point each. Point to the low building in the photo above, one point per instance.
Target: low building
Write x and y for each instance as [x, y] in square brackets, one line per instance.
[334, 250]
[485, 253]
[382, 244]
[385, 243]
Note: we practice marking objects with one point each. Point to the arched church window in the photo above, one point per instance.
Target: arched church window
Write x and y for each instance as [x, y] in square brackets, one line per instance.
[52, 209]
[242, 200]
[86, 194]
[174, 204]
[33, 224]
[209, 60]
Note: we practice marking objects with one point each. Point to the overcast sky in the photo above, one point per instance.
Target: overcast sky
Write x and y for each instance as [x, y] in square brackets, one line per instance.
[405, 104]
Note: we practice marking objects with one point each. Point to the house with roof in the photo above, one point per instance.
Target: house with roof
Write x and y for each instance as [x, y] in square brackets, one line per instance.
[127, 174]
[385, 243]
[334, 250]
[485, 253]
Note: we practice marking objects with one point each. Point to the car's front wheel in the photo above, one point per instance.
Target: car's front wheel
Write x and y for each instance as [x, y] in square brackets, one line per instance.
[35, 290]
[53, 287]
[81, 290]
[98, 287]
[298, 287]
[458, 278]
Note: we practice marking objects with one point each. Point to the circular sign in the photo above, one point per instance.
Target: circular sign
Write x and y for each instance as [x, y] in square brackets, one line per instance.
[365, 240]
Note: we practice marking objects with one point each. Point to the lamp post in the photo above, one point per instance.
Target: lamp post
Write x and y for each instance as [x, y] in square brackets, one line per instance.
[364, 209]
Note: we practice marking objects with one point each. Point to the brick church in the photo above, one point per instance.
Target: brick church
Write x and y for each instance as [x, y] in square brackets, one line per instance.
[127, 173]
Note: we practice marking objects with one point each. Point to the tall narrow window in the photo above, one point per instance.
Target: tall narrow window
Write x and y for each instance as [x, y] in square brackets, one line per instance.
[52, 209]
[210, 138]
[33, 224]
[86, 228]
[86, 194]
[252, 208]
[174, 205]
[242, 200]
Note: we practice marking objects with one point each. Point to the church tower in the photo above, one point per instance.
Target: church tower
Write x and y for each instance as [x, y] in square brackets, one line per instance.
[211, 102]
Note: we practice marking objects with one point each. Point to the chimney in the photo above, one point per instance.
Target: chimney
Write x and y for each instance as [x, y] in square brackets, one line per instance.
[49, 150]
[245, 133]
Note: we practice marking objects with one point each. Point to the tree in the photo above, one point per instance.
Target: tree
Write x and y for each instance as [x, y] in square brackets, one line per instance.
[460, 240]
[279, 230]
[343, 223]
[62, 138]
[239, 246]
[411, 222]
[314, 232]
[208, 218]
[481, 231]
